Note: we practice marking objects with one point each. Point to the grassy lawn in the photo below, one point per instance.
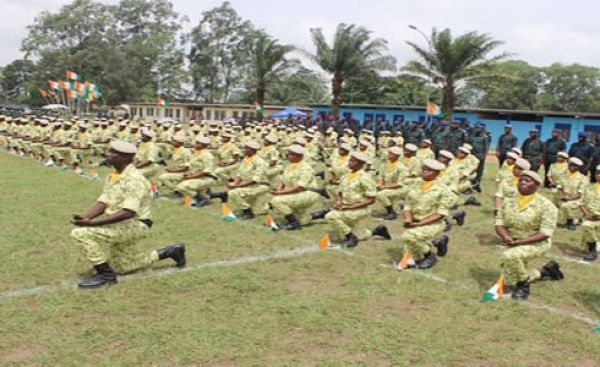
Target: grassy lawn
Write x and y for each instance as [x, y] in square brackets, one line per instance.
[253, 297]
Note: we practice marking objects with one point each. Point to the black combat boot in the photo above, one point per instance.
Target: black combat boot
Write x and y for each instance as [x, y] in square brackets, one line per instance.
[201, 201]
[472, 200]
[104, 276]
[321, 192]
[320, 174]
[476, 186]
[351, 240]
[391, 214]
[382, 231]
[552, 271]
[223, 196]
[320, 214]
[247, 214]
[176, 195]
[459, 217]
[441, 243]
[448, 225]
[292, 224]
[570, 225]
[175, 252]
[592, 254]
[428, 261]
[521, 293]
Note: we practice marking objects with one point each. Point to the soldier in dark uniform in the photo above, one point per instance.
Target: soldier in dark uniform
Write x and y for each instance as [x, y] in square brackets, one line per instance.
[456, 137]
[413, 134]
[582, 150]
[506, 142]
[480, 143]
[440, 137]
[468, 129]
[534, 150]
[554, 145]
[595, 159]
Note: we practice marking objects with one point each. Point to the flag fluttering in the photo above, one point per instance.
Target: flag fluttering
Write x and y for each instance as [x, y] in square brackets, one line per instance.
[162, 102]
[271, 224]
[406, 261]
[72, 76]
[495, 292]
[228, 213]
[434, 110]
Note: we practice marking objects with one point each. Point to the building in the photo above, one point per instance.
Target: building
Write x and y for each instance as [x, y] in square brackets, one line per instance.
[522, 121]
[187, 112]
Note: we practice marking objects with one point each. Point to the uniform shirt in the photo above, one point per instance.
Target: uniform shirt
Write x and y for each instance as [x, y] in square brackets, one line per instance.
[435, 200]
[426, 153]
[555, 145]
[440, 138]
[83, 139]
[129, 191]
[558, 172]
[572, 185]
[413, 168]
[506, 142]
[466, 166]
[533, 148]
[202, 161]
[122, 135]
[504, 172]
[507, 187]
[181, 157]
[356, 187]
[456, 139]
[480, 144]
[582, 151]
[227, 152]
[299, 174]
[339, 164]
[147, 152]
[539, 215]
[253, 169]
[165, 136]
[449, 178]
[393, 173]
[67, 136]
[591, 199]
[269, 154]
[413, 135]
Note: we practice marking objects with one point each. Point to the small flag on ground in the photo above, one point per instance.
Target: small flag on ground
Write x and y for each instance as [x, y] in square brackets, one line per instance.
[596, 329]
[271, 224]
[63, 166]
[30, 155]
[50, 163]
[153, 190]
[78, 171]
[162, 102]
[324, 243]
[406, 261]
[94, 175]
[495, 292]
[228, 214]
[188, 202]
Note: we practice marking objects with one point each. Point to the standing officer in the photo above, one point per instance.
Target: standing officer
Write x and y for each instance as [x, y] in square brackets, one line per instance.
[506, 142]
[534, 150]
[125, 204]
[456, 137]
[413, 134]
[590, 206]
[480, 143]
[582, 150]
[526, 223]
[554, 145]
[440, 137]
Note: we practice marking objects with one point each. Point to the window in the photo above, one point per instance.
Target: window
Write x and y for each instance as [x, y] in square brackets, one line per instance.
[208, 113]
[422, 118]
[347, 115]
[593, 133]
[244, 115]
[150, 111]
[235, 114]
[565, 130]
[368, 117]
[168, 112]
[133, 111]
[399, 118]
[178, 113]
[380, 117]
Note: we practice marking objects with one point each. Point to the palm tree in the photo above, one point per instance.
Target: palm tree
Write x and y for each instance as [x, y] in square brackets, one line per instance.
[449, 61]
[352, 52]
[268, 63]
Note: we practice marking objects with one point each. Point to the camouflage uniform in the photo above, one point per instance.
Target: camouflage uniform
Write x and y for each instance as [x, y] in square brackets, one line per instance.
[353, 190]
[425, 153]
[299, 204]
[226, 153]
[435, 200]
[339, 168]
[539, 215]
[269, 154]
[572, 186]
[251, 169]
[591, 228]
[148, 152]
[201, 161]
[83, 139]
[130, 191]
[164, 139]
[392, 174]
[413, 170]
[449, 177]
[181, 157]
[465, 167]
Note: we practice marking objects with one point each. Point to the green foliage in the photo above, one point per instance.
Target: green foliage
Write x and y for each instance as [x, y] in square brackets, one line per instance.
[448, 61]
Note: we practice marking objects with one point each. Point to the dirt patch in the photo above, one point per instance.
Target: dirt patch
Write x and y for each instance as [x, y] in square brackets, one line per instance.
[21, 354]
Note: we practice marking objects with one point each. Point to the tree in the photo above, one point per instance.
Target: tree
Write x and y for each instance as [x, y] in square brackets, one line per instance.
[449, 61]
[15, 79]
[218, 54]
[351, 53]
[572, 88]
[268, 63]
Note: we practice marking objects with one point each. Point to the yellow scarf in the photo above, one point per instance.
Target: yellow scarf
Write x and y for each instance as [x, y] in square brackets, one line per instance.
[443, 172]
[82, 134]
[198, 152]
[353, 175]
[509, 167]
[293, 166]
[145, 145]
[598, 187]
[515, 180]
[176, 150]
[249, 160]
[523, 200]
[458, 160]
[560, 165]
[342, 158]
[390, 165]
[225, 145]
[426, 185]
[114, 176]
[423, 150]
[573, 174]
[407, 160]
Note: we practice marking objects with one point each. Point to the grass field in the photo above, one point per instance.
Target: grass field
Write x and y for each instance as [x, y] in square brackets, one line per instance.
[253, 297]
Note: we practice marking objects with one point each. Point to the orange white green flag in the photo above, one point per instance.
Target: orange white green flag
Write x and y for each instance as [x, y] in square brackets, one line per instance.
[406, 261]
[434, 110]
[495, 292]
[72, 76]
[228, 213]
[162, 102]
[271, 223]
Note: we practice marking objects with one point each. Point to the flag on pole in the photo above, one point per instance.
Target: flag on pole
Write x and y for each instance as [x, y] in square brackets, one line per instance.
[434, 110]
[324, 243]
[72, 76]
[66, 85]
[406, 261]
[259, 108]
[70, 93]
[53, 84]
[78, 171]
[495, 292]
[44, 93]
[271, 224]
[162, 102]
[227, 213]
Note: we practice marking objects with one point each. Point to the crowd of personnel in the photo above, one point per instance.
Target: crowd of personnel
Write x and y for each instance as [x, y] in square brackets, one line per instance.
[260, 168]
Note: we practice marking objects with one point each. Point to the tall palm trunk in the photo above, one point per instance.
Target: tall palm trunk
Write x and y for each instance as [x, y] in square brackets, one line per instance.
[448, 99]
[260, 98]
[336, 91]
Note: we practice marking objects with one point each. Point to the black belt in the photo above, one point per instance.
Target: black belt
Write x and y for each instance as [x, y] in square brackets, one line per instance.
[147, 222]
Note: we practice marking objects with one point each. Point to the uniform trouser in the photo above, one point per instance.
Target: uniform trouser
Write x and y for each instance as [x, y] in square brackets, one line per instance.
[169, 180]
[37, 149]
[418, 239]
[116, 244]
[164, 149]
[389, 196]
[195, 186]
[550, 159]
[591, 232]
[246, 197]
[223, 174]
[514, 262]
[535, 163]
[327, 152]
[298, 204]
[502, 158]
[85, 154]
[332, 190]
[63, 153]
[480, 169]
[463, 185]
[100, 149]
[273, 175]
[569, 210]
[150, 171]
[343, 222]
[593, 173]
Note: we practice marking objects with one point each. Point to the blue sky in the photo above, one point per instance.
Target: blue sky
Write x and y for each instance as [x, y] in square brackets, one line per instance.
[539, 32]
